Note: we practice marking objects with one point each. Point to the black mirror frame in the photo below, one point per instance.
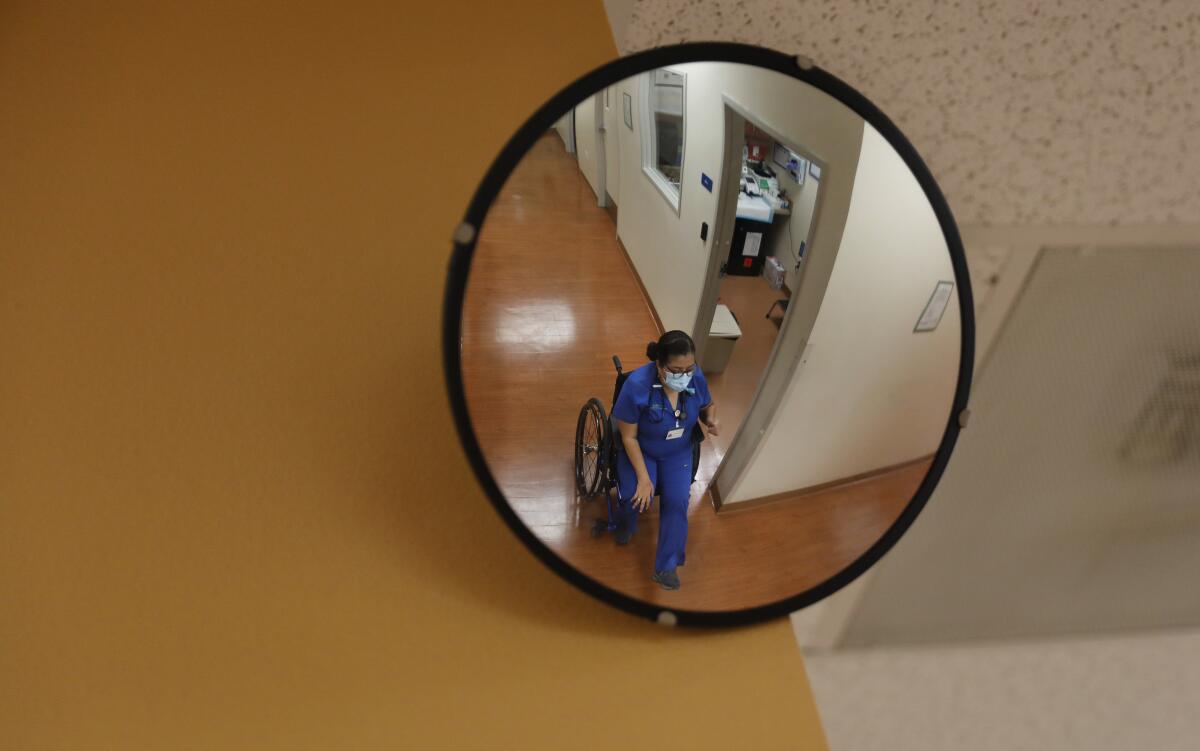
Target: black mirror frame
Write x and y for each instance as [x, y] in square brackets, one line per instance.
[464, 248]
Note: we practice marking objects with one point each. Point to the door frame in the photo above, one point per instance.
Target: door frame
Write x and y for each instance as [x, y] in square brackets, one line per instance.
[601, 145]
[569, 142]
[792, 341]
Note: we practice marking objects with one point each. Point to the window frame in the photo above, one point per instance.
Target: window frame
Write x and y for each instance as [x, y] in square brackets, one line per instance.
[669, 191]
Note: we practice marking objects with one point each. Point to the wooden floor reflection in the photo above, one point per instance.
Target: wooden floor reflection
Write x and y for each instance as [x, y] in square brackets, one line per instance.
[550, 299]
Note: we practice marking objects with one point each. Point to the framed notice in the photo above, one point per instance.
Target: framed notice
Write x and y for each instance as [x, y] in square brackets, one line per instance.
[753, 243]
[935, 308]
[628, 110]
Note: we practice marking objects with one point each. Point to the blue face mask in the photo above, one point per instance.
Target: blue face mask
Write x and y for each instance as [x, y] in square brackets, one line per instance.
[678, 381]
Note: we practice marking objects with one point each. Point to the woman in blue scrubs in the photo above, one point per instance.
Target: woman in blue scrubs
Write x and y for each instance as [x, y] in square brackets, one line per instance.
[659, 406]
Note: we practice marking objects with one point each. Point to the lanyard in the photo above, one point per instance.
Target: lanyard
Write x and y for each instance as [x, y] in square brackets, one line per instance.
[680, 412]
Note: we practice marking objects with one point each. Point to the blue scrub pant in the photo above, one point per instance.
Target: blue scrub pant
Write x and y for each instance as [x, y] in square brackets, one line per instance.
[672, 476]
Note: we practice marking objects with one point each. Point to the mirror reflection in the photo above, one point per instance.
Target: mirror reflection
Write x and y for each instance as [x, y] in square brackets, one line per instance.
[710, 337]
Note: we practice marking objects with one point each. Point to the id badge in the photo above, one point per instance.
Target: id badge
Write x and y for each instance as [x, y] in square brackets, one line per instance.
[673, 434]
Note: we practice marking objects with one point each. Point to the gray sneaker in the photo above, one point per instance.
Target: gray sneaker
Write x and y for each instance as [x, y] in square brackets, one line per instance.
[666, 579]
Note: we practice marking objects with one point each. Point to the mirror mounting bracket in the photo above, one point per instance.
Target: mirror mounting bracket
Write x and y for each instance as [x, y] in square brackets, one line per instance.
[464, 234]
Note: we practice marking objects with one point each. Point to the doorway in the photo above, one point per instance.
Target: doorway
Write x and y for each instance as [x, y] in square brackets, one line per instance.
[766, 218]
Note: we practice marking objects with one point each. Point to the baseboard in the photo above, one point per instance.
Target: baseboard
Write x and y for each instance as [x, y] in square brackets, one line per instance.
[715, 493]
[642, 287]
[796, 495]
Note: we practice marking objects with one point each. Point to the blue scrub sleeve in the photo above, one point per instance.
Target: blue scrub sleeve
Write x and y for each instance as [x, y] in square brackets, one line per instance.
[626, 409]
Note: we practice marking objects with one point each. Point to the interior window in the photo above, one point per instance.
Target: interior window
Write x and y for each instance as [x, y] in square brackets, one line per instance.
[663, 144]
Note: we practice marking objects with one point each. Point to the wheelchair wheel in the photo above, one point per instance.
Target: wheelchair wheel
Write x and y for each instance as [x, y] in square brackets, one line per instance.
[592, 447]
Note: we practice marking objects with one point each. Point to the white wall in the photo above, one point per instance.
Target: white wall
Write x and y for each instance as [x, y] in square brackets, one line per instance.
[614, 119]
[870, 393]
[563, 127]
[666, 247]
[585, 143]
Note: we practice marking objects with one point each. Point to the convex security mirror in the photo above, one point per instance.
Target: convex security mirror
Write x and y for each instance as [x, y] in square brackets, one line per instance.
[708, 334]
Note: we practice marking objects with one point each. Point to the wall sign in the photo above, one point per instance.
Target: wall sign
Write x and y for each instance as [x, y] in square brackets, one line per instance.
[753, 243]
[935, 308]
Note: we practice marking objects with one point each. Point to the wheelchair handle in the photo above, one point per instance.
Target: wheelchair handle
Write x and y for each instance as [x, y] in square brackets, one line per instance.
[617, 362]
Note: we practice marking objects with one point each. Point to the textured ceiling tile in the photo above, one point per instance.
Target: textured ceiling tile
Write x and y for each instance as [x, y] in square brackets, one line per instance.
[1027, 112]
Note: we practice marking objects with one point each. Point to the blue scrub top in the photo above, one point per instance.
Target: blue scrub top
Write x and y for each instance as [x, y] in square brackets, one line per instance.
[643, 401]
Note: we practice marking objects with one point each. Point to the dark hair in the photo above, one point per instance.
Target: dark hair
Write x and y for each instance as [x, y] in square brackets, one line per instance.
[670, 344]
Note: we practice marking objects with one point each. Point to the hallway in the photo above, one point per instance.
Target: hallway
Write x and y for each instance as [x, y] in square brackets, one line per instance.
[550, 299]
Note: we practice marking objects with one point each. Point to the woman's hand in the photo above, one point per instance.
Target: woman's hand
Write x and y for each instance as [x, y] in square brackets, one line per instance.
[708, 418]
[643, 494]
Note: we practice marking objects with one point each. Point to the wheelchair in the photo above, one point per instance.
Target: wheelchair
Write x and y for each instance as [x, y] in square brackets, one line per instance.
[597, 445]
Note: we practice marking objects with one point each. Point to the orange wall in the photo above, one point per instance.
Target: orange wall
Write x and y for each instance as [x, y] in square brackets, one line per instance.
[233, 513]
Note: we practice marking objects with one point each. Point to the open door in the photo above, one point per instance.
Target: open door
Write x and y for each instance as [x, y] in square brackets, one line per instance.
[731, 160]
[565, 127]
[758, 387]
